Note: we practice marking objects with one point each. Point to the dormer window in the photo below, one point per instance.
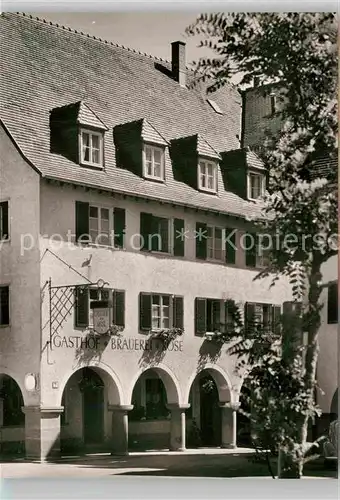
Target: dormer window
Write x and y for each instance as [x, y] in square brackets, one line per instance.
[256, 185]
[153, 162]
[91, 148]
[207, 176]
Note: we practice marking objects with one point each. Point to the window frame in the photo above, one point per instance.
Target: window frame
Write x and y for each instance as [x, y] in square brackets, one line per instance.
[170, 223]
[111, 225]
[223, 252]
[160, 305]
[6, 325]
[153, 148]
[2, 232]
[206, 162]
[262, 176]
[91, 133]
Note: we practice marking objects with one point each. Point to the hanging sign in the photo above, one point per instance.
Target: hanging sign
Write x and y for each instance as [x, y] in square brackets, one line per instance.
[101, 316]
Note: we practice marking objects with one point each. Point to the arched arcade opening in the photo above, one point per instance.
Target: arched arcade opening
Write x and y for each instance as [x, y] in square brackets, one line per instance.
[12, 418]
[210, 418]
[150, 418]
[86, 423]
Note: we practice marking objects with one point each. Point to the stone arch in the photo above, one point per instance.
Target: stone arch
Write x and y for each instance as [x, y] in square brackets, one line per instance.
[169, 380]
[221, 379]
[4, 371]
[12, 397]
[109, 377]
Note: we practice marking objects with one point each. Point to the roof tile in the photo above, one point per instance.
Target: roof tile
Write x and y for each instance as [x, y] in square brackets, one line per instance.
[44, 66]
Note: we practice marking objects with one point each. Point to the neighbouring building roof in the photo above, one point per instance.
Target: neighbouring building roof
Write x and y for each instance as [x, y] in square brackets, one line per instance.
[44, 66]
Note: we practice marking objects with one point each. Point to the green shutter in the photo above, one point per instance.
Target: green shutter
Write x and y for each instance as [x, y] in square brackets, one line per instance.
[119, 226]
[81, 307]
[200, 316]
[178, 312]
[82, 220]
[230, 246]
[119, 307]
[201, 240]
[179, 238]
[145, 319]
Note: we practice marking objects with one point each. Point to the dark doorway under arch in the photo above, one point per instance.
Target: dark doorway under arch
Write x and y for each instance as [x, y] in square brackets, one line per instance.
[204, 425]
[12, 418]
[82, 422]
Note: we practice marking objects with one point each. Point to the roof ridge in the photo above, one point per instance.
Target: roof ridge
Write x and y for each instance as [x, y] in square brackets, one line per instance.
[87, 35]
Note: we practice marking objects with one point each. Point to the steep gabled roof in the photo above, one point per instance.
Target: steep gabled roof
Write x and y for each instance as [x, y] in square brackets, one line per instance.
[44, 66]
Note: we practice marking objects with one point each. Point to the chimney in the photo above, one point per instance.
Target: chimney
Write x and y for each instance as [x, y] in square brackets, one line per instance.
[178, 62]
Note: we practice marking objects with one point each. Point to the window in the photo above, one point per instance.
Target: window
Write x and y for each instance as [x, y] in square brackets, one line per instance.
[256, 185]
[4, 233]
[255, 255]
[85, 295]
[160, 234]
[149, 399]
[215, 245]
[160, 311]
[91, 148]
[99, 226]
[4, 305]
[332, 304]
[210, 315]
[94, 225]
[153, 162]
[262, 315]
[207, 176]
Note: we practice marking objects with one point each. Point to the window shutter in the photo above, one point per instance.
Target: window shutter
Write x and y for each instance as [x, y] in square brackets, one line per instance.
[249, 316]
[251, 252]
[276, 316]
[145, 229]
[82, 220]
[155, 234]
[201, 240]
[200, 316]
[179, 238]
[145, 311]
[81, 307]
[178, 312]
[332, 303]
[119, 308]
[119, 226]
[4, 304]
[4, 220]
[230, 245]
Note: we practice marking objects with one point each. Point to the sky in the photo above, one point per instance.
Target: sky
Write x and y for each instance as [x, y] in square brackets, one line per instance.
[149, 32]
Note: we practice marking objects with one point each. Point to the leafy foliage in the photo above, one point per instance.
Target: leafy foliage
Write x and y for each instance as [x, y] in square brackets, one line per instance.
[294, 56]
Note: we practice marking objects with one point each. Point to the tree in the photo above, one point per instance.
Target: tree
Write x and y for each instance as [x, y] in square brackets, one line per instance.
[295, 53]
